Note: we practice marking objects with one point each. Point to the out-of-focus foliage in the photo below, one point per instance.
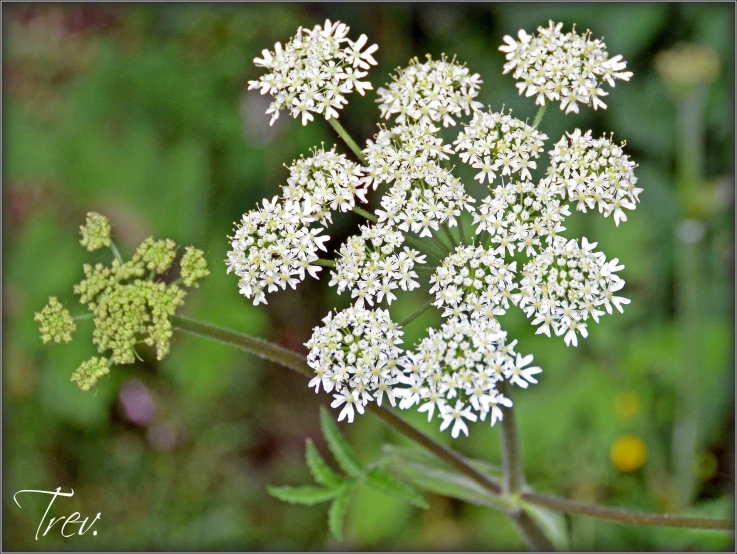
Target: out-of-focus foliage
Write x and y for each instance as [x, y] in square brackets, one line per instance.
[141, 113]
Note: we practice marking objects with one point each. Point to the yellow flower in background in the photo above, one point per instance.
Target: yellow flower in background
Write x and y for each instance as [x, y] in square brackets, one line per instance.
[627, 404]
[628, 453]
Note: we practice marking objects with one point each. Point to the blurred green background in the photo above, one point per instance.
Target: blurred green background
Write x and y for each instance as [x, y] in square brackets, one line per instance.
[141, 113]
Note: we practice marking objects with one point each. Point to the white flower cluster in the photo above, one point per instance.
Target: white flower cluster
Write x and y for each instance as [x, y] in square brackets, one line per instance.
[595, 172]
[565, 67]
[314, 71]
[437, 90]
[457, 369]
[475, 282]
[520, 214]
[355, 354]
[329, 180]
[566, 284]
[424, 195]
[516, 257]
[274, 246]
[498, 142]
[369, 266]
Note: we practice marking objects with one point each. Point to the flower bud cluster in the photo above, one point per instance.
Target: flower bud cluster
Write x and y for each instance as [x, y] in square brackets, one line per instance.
[562, 67]
[314, 71]
[434, 91]
[499, 143]
[595, 173]
[456, 370]
[95, 232]
[354, 355]
[127, 309]
[370, 266]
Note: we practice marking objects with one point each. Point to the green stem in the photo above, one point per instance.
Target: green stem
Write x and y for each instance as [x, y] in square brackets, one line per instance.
[297, 362]
[363, 213]
[539, 115]
[514, 478]
[335, 124]
[115, 252]
[89, 315]
[448, 234]
[427, 269]
[417, 313]
[444, 247]
[326, 263]
[531, 532]
[461, 231]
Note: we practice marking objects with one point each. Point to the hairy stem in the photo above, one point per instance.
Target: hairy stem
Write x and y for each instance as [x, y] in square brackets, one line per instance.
[296, 362]
[116, 253]
[417, 313]
[514, 478]
[325, 263]
[335, 124]
[531, 532]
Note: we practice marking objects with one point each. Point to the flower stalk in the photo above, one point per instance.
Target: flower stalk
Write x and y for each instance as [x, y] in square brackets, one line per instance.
[343, 134]
[296, 362]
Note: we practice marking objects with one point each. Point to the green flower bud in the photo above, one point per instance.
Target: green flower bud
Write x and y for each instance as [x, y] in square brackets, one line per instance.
[55, 322]
[157, 255]
[194, 267]
[90, 372]
[95, 232]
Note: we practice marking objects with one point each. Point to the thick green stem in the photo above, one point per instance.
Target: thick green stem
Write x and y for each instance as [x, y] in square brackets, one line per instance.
[363, 213]
[335, 124]
[539, 115]
[417, 313]
[514, 478]
[297, 362]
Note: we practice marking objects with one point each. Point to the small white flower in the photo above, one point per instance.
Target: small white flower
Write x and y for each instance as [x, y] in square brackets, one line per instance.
[314, 71]
[562, 67]
[434, 91]
[355, 354]
[594, 172]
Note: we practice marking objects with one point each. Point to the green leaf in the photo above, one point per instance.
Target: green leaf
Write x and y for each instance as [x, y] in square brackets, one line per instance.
[427, 472]
[337, 511]
[303, 495]
[392, 486]
[320, 470]
[552, 523]
[340, 448]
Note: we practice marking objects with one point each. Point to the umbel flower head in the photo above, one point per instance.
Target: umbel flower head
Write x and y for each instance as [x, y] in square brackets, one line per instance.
[314, 71]
[128, 302]
[355, 355]
[434, 91]
[95, 232]
[562, 67]
[477, 258]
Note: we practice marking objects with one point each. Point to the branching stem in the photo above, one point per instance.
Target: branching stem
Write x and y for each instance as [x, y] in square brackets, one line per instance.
[335, 124]
[296, 362]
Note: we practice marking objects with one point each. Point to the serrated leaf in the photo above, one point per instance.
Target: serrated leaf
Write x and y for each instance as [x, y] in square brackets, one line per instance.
[427, 472]
[303, 495]
[552, 523]
[344, 454]
[320, 470]
[388, 484]
[337, 511]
